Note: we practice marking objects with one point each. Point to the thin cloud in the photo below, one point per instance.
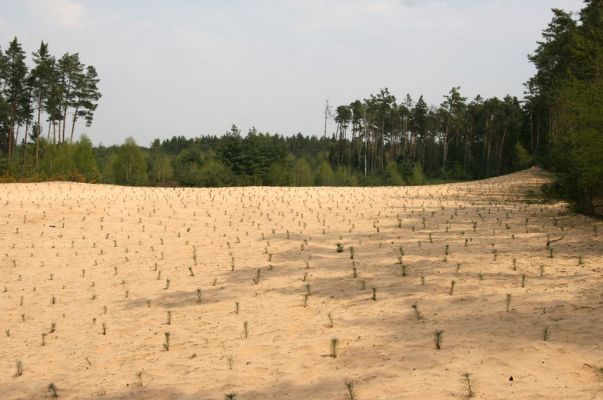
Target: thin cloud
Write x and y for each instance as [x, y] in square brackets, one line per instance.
[66, 13]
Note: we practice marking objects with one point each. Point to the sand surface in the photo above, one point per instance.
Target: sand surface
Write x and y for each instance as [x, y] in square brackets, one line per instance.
[93, 276]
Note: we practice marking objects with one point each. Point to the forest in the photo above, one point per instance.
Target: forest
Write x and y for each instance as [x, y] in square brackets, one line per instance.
[377, 140]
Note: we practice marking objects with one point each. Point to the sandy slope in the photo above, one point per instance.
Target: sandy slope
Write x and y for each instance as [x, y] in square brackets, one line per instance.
[105, 253]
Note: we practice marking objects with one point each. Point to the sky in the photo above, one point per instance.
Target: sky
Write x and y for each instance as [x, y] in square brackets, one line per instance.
[195, 67]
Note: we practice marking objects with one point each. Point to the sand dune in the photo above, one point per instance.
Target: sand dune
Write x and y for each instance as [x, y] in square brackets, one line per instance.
[92, 277]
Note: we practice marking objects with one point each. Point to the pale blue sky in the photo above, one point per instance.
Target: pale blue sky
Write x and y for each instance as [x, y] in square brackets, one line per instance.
[196, 67]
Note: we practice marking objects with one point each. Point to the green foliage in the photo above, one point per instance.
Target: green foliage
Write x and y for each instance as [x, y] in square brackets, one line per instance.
[127, 166]
[522, 158]
[566, 99]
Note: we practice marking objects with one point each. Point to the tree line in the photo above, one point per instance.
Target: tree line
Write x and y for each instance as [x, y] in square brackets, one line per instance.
[564, 104]
[60, 90]
[378, 140]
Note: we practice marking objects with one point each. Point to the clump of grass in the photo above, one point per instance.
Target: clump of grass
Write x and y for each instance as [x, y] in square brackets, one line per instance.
[166, 343]
[438, 339]
[349, 385]
[508, 301]
[468, 388]
[334, 342]
[230, 396]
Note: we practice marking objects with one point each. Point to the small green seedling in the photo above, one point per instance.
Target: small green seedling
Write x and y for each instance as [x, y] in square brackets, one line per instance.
[468, 388]
[334, 342]
[166, 343]
[52, 389]
[350, 387]
[415, 308]
[438, 339]
[19, 369]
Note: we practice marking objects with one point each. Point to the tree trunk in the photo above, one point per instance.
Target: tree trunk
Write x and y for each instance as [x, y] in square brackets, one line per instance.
[73, 125]
[39, 132]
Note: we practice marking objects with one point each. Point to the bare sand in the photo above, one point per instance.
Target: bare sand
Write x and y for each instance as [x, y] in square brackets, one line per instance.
[93, 276]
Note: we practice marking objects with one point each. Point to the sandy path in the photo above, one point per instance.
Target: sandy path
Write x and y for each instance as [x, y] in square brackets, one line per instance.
[76, 258]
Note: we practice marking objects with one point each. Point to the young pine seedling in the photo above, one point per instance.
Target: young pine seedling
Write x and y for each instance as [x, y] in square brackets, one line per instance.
[468, 388]
[438, 339]
[19, 369]
[451, 291]
[349, 385]
[53, 391]
[334, 342]
[166, 343]
[256, 280]
[415, 308]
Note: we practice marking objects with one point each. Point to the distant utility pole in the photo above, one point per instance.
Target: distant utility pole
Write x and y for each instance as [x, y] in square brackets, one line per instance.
[327, 114]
